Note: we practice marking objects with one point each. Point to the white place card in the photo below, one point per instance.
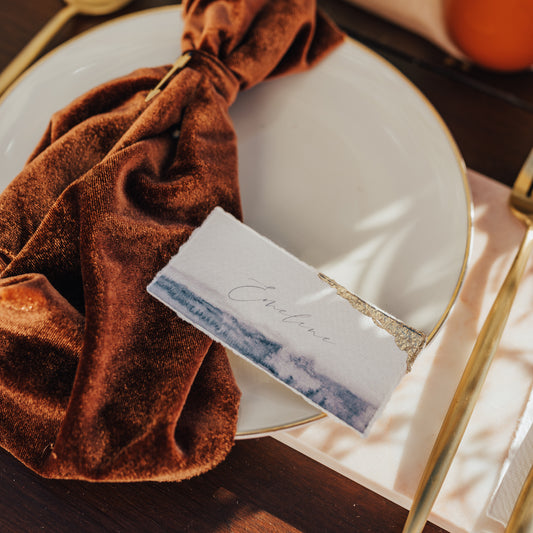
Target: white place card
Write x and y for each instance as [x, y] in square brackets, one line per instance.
[337, 351]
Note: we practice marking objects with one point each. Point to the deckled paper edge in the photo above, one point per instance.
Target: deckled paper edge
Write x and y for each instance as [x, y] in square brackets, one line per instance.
[408, 339]
[154, 290]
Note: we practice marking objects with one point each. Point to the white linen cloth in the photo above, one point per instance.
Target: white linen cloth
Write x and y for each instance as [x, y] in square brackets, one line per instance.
[424, 17]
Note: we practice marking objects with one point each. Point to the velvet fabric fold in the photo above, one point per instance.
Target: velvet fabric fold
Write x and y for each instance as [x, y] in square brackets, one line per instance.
[98, 380]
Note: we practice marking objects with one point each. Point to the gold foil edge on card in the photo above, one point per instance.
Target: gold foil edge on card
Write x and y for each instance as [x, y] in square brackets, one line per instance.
[408, 339]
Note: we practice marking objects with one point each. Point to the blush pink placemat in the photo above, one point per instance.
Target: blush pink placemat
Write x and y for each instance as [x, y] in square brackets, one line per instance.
[390, 461]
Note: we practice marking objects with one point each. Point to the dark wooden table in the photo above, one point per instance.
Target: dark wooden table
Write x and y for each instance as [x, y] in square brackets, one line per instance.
[263, 485]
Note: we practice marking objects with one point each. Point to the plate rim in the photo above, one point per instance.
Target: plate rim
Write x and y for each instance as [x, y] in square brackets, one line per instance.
[261, 432]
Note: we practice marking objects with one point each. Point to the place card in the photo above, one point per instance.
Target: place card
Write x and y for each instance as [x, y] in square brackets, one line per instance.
[337, 351]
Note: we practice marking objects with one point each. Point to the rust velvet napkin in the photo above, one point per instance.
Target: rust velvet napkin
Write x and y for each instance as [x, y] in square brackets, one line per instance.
[98, 380]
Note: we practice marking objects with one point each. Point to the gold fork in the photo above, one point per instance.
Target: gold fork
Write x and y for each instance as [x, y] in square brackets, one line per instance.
[475, 372]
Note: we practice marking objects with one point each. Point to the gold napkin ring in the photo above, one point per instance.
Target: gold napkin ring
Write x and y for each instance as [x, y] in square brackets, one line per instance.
[176, 67]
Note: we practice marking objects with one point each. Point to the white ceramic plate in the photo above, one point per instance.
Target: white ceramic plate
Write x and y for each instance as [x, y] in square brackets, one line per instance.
[347, 166]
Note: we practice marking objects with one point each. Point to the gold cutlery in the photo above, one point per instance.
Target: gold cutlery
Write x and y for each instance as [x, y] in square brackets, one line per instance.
[467, 392]
[37, 44]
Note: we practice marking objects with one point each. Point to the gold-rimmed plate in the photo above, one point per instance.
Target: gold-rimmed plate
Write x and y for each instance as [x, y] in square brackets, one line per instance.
[347, 166]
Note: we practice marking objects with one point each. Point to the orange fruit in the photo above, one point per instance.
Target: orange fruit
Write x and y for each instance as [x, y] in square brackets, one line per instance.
[496, 34]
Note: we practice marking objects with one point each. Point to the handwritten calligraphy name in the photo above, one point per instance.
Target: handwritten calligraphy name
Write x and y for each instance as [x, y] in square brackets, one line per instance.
[265, 295]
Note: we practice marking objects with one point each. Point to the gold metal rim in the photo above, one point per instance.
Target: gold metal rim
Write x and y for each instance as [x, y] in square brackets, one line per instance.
[290, 425]
[429, 105]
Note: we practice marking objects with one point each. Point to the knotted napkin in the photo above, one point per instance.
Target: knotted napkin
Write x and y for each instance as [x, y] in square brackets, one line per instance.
[98, 380]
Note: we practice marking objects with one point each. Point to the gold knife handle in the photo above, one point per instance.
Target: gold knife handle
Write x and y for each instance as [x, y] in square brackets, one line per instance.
[467, 392]
[521, 520]
[34, 47]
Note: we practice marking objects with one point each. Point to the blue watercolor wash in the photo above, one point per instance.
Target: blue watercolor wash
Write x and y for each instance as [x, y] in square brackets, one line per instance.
[297, 371]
